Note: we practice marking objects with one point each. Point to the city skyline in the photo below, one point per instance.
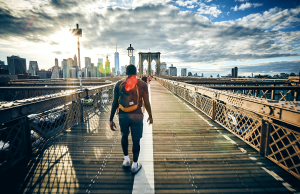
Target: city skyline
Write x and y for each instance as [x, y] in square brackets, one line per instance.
[209, 37]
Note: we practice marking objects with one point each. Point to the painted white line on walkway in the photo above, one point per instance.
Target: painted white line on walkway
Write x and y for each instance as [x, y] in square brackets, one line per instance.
[189, 107]
[228, 138]
[252, 158]
[243, 150]
[278, 178]
[144, 179]
[273, 174]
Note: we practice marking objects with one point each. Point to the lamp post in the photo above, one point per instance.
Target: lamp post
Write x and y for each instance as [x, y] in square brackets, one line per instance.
[130, 53]
[78, 32]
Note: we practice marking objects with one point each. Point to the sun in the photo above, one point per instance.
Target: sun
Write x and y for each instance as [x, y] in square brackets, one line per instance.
[66, 42]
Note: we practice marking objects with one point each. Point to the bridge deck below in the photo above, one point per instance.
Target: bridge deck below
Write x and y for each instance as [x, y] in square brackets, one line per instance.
[191, 154]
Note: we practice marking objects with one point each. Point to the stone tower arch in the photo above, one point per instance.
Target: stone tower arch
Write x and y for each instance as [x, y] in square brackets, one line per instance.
[149, 56]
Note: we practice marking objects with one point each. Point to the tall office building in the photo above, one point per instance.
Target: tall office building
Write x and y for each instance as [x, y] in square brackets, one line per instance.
[70, 63]
[117, 62]
[107, 67]
[55, 71]
[33, 67]
[163, 68]
[2, 62]
[93, 70]
[44, 74]
[183, 71]
[100, 68]
[234, 72]
[64, 66]
[123, 70]
[73, 72]
[113, 71]
[172, 71]
[56, 62]
[87, 61]
[16, 65]
[75, 61]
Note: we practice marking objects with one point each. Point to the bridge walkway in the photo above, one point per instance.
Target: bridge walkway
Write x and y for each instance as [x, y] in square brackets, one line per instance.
[182, 152]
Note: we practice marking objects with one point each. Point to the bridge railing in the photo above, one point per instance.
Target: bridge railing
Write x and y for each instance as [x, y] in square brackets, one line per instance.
[28, 124]
[270, 127]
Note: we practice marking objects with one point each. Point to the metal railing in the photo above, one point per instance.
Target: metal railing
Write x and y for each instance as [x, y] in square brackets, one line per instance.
[27, 124]
[264, 125]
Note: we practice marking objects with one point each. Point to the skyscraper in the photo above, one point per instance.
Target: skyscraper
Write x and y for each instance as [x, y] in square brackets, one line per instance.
[55, 70]
[87, 61]
[33, 67]
[172, 71]
[16, 65]
[3, 66]
[56, 62]
[163, 68]
[183, 71]
[64, 65]
[75, 61]
[234, 72]
[107, 67]
[123, 70]
[116, 61]
[100, 68]
[70, 63]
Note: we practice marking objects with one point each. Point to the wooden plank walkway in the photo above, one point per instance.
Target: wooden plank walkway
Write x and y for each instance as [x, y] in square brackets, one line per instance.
[192, 154]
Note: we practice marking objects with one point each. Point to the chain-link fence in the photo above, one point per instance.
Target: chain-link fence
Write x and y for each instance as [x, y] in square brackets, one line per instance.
[278, 141]
[19, 137]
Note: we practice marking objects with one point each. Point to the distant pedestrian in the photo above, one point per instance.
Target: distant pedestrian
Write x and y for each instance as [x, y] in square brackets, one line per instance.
[128, 96]
[144, 79]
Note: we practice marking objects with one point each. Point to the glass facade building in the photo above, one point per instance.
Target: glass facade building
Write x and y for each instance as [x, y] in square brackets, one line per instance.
[16, 65]
[117, 63]
[64, 65]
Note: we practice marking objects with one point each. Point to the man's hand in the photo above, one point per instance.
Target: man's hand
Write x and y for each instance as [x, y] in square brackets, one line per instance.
[112, 126]
[150, 120]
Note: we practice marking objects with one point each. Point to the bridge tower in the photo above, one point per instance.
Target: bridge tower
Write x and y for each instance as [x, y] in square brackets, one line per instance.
[149, 56]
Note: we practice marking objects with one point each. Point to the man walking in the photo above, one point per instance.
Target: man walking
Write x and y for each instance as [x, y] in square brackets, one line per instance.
[129, 96]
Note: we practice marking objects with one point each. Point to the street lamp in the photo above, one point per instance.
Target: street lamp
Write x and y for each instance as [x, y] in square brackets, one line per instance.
[130, 53]
[78, 32]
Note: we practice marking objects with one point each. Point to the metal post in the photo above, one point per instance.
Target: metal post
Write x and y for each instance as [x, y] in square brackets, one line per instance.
[272, 93]
[213, 113]
[129, 60]
[78, 53]
[28, 145]
[71, 114]
[264, 138]
[295, 95]
[81, 110]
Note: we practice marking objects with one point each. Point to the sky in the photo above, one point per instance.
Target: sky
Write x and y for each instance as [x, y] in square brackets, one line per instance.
[204, 36]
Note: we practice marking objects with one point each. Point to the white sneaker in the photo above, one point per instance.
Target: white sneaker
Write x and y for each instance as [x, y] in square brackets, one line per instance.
[126, 163]
[136, 169]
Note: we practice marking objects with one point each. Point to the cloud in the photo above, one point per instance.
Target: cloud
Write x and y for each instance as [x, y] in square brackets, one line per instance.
[275, 19]
[57, 52]
[246, 6]
[211, 10]
[182, 37]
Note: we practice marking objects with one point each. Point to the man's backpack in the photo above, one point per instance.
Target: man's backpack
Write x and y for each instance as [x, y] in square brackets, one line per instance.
[128, 95]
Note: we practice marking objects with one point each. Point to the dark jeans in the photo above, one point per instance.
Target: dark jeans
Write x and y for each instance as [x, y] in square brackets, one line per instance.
[135, 123]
